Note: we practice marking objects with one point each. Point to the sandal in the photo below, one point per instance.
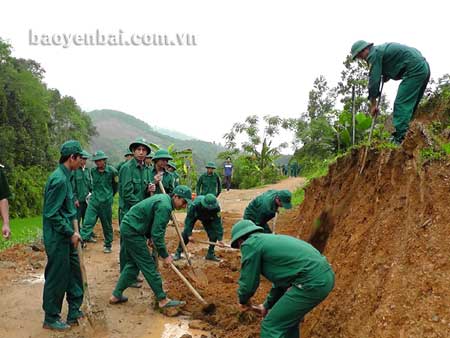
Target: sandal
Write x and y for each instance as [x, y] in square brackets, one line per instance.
[121, 299]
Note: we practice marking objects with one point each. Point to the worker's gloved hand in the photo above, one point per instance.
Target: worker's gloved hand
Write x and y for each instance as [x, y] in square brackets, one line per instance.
[77, 204]
[75, 239]
[168, 260]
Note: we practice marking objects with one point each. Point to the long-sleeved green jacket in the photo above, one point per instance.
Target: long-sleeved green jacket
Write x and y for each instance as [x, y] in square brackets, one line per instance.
[209, 218]
[283, 260]
[81, 184]
[392, 61]
[133, 182]
[59, 208]
[262, 209]
[149, 218]
[209, 184]
[167, 181]
[104, 185]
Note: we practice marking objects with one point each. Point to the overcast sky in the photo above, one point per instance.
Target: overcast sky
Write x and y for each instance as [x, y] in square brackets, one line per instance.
[252, 57]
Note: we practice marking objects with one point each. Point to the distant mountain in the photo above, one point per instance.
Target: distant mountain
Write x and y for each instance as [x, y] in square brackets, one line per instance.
[173, 133]
[116, 130]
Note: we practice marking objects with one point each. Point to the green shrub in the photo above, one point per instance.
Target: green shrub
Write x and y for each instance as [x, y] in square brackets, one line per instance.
[27, 188]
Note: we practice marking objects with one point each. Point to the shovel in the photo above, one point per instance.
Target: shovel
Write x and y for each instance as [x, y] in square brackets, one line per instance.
[197, 275]
[371, 131]
[208, 308]
[99, 318]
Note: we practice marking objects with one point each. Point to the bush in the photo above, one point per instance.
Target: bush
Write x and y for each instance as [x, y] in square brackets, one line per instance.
[27, 189]
[246, 174]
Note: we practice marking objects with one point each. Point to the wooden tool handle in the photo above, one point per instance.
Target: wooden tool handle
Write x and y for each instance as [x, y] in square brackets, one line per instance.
[82, 266]
[189, 285]
[211, 243]
[177, 229]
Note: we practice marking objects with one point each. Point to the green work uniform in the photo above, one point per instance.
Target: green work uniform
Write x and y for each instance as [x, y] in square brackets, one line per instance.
[396, 61]
[208, 184]
[82, 185]
[4, 187]
[262, 209]
[167, 181]
[104, 187]
[211, 221]
[62, 272]
[147, 219]
[176, 178]
[134, 178]
[301, 278]
[120, 165]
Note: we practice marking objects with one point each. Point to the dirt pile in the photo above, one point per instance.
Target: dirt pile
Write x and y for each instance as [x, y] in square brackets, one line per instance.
[386, 233]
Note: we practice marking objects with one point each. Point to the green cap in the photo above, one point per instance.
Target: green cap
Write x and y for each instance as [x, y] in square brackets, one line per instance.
[210, 165]
[242, 228]
[172, 164]
[99, 155]
[184, 192]
[285, 198]
[162, 154]
[209, 201]
[71, 147]
[358, 47]
[128, 152]
[140, 141]
[85, 154]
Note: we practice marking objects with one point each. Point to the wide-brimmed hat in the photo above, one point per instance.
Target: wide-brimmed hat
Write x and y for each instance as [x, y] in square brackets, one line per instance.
[99, 155]
[242, 228]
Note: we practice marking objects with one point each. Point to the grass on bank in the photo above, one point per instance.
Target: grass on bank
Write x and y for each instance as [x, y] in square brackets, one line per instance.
[23, 230]
[321, 169]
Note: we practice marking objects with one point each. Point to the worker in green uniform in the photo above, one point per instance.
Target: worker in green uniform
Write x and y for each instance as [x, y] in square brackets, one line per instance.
[134, 186]
[4, 204]
[62, 272]
[104, 187]
[82, 186]
[148, 220]
[207, 210]
[397, 62]
[172, 168]
[301, 277]
[128, 155]
[264, 207]
[134, 177]
[159, 172]
[209, 182]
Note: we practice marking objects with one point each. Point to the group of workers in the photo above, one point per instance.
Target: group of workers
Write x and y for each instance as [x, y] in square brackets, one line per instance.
[149, 190]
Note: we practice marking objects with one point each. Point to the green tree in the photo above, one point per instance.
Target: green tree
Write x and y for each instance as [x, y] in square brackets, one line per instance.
[257, 146]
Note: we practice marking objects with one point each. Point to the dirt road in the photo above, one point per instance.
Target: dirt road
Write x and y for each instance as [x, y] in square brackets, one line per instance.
[21, 284]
